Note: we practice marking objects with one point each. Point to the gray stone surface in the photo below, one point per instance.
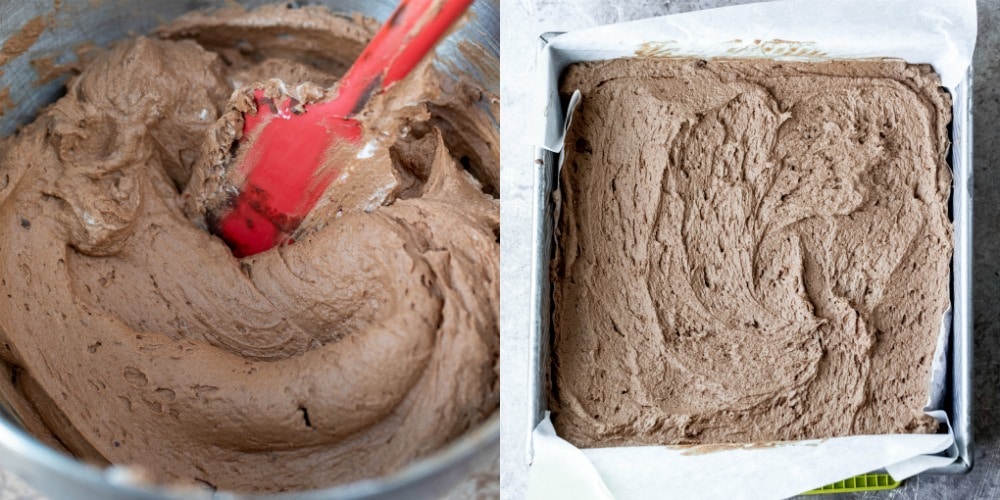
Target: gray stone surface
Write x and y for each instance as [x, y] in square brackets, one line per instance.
[521, 22]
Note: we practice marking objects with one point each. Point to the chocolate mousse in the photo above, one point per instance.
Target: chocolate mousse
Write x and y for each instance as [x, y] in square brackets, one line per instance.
[130, 335]
[749, 251]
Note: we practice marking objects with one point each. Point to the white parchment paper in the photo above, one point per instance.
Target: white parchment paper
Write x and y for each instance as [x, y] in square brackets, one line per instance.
[919, 31]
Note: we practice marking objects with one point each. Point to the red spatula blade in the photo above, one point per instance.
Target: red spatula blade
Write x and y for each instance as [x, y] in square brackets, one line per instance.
[283, 162]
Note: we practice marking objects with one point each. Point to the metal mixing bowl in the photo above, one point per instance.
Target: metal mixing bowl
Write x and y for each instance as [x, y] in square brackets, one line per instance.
[101, 22]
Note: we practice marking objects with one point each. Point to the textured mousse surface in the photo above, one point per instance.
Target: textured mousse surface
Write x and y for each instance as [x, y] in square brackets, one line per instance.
[749, 251]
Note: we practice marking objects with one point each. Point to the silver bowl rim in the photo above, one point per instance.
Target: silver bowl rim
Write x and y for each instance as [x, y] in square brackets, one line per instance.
[29, 450]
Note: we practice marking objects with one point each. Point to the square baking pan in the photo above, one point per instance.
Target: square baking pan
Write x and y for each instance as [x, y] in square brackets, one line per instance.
[957, 397]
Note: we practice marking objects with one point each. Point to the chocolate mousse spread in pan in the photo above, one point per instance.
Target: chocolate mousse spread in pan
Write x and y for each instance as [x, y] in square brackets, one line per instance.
[749, 250]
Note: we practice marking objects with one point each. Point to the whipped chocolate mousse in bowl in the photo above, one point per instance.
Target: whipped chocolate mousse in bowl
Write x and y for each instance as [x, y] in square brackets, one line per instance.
[360, 360]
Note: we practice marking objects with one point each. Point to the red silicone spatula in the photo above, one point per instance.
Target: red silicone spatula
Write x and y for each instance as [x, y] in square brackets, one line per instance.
[283, 166]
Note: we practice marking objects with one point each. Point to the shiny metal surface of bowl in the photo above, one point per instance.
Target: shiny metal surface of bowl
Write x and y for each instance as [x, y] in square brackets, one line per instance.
[101, 22]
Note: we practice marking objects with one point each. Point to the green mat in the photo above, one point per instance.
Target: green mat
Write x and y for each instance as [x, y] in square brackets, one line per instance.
[864, 482]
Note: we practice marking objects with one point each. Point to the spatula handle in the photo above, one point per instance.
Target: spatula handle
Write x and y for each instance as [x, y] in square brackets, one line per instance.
[406, 37]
